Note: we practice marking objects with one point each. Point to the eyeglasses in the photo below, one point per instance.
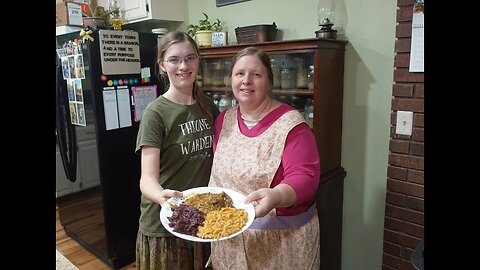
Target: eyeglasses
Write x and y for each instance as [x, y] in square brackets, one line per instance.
[176, 61]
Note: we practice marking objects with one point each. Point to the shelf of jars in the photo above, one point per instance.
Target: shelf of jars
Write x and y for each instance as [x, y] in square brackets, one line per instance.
[293, 81]
[224, 89]
[300, 99]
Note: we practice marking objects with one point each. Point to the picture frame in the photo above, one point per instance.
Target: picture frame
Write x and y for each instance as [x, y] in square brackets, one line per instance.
[228, 2]
[219, 39]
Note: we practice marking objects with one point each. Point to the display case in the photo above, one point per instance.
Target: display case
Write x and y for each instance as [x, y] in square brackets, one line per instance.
[308, 75]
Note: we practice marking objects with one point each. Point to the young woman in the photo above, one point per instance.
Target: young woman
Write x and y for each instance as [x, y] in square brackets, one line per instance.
[175, 143]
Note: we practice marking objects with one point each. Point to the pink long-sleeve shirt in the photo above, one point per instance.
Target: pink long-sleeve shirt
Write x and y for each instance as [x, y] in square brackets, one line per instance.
[300, 165]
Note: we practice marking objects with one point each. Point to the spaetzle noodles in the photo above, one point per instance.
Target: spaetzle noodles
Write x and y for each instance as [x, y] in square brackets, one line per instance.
[222, 223]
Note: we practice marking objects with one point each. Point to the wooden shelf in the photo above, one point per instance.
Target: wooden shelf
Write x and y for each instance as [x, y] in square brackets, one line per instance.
[300, 92]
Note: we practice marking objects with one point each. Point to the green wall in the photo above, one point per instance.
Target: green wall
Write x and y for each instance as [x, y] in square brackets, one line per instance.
[366, 108]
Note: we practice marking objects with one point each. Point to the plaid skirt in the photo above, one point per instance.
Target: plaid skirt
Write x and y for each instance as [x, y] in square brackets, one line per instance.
[170, 253]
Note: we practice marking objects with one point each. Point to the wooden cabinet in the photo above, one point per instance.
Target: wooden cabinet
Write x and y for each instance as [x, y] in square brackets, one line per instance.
[293, 59]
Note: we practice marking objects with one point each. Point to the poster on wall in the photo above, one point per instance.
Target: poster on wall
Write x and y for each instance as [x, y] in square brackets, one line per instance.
[417, 46]
[228, 2]
[142, 95]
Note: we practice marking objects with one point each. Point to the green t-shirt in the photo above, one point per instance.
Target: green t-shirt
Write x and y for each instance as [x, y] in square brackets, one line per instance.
[184, 135]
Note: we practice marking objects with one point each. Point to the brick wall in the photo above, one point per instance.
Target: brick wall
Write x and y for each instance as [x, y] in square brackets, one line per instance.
[404, 206]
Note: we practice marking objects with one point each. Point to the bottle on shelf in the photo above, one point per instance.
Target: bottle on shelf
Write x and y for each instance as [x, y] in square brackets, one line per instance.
[224, 103]
[234, 101]
[308, 112]
[206, 73]
[216, 99]
[116, 9]
[276, 65]
[311, 76]
[297, 102]
[288, 78]
[302, 72]
[217, 72]
[199, 80]
[227, 63]
[288, 74]
[283, 98]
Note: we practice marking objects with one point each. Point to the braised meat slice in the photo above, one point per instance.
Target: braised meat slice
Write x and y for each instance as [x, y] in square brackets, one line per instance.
[207, 202]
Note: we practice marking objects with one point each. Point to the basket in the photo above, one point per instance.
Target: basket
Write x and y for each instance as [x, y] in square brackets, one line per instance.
[256, 33]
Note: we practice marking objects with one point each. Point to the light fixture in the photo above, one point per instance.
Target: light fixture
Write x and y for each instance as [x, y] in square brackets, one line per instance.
[116, 9]
[331, 18]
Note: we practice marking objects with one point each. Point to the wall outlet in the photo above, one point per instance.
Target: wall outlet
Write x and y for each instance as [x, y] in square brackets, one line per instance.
[404, 123]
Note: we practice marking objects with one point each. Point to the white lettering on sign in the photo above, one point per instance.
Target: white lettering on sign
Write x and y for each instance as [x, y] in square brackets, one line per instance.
[119, 47]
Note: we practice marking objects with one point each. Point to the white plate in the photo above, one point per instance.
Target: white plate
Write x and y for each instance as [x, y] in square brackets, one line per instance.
[237, 199]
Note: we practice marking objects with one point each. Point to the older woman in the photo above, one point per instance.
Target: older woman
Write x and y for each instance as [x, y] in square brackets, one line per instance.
[265, 149]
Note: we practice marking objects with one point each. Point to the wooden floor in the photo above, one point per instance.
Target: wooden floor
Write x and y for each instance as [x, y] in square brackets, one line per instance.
[79, 256]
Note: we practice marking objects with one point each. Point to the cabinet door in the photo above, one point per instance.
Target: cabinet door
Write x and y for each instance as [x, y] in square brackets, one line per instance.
[157, 10]
[136, 9]
[291, 81]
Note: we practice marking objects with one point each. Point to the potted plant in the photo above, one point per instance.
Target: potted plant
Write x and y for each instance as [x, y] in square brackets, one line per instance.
[202, 31]
[95, 17]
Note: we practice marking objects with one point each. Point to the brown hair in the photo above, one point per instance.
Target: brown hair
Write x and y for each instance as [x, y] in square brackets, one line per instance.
[177, 37]
[261, 55]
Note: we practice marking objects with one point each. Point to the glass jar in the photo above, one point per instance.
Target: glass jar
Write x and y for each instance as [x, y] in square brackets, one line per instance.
[311, 76]
[216, 99]
[297, 102]
[288, 78]
[217, 73]
[217, 77]
[234, 101]
[302, 73]
[276, 69]
[283, 98]
[227, 65]
[116, 10]
[224, 103]
[199, 79]
[308, 112]
[206, 74]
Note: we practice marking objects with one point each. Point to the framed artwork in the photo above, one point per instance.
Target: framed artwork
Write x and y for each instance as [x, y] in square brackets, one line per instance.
[228, 2]
[219, 39]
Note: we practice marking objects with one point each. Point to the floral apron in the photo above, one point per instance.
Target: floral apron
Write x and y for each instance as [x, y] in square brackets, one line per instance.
[246, 164]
